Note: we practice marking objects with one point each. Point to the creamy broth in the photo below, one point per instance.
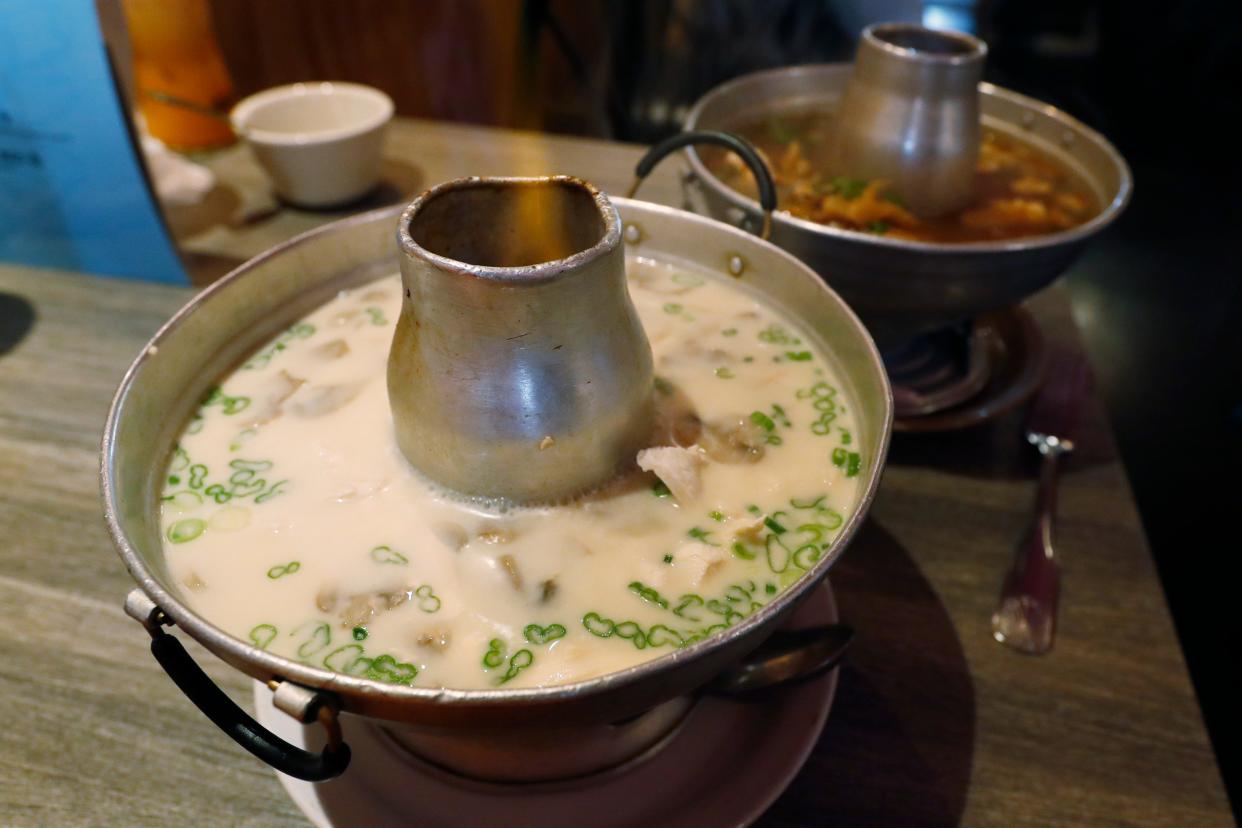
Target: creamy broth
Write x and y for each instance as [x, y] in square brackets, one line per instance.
[291, 518]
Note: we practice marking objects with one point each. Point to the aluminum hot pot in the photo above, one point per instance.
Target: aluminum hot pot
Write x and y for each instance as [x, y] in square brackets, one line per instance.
[903, 288]
[224, 323]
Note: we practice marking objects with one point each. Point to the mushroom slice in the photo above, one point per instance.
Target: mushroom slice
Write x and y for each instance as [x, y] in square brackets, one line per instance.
[358, 612]
[269, 405]
[734, 441]
[511, 568]
[332, 349]
[676, 421]
[326, 600]
[437, 640]
[319, 400]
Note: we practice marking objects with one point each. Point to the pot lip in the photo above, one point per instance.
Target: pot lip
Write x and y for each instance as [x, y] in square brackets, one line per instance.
[533, 274]
[1106, 216]
[974, 52]
[237, 650]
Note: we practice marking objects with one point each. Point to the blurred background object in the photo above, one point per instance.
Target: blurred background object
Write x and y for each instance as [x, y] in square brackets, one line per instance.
[73, 192]
[176, 58]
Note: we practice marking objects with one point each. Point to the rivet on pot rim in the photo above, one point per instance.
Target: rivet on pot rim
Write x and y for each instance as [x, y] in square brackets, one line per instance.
[1067, 138]
[736, 264]
[1028, 120]
[632, 234]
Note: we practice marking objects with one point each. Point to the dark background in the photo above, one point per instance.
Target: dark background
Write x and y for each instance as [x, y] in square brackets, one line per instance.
[1157, 297]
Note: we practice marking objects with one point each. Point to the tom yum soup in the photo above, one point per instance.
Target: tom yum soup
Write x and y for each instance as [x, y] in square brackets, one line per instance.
[1018, 190]
[291, 518]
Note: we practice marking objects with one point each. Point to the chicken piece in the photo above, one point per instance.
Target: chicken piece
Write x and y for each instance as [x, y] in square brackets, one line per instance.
[698, 560]
[993, 157]
[1030, 185]
[793, 165]
[678, 467]
[1073, 202]
[1002, 215]
[872, 207]
[1061, 219]
[748, 529]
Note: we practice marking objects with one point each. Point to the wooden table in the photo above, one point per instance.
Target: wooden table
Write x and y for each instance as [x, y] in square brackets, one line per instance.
[934, 723]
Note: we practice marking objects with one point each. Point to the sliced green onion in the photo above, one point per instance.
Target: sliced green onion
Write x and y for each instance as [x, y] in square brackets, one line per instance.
[185, 530]
[740, 550]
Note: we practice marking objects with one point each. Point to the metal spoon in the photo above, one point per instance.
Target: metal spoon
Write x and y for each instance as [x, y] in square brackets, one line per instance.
[788, 656]
[1027, 613]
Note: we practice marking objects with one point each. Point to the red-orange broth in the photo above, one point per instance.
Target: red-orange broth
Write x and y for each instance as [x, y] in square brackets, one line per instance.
[1018, 190]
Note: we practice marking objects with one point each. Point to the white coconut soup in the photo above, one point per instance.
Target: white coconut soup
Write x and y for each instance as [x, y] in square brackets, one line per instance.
[290, 518]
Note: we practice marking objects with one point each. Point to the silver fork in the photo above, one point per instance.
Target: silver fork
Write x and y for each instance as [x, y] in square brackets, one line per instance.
[1027, 615]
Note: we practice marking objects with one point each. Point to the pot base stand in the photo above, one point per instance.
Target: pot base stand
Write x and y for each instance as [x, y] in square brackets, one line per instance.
[725, 764]
[966, 374]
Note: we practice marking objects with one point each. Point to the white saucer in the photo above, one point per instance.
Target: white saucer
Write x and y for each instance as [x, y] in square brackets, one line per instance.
[723, 766]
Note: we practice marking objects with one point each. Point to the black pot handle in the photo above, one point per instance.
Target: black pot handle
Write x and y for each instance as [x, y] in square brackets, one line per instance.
[731, 142]
[267, 746]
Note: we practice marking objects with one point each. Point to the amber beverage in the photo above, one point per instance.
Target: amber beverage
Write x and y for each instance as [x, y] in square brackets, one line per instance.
[176, 56]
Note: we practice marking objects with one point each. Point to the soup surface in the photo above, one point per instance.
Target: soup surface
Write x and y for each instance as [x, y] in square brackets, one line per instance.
[1018, 190]
[291, 518]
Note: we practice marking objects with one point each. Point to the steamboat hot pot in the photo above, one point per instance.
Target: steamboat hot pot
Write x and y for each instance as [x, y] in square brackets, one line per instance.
[220, 326]
[903, 288]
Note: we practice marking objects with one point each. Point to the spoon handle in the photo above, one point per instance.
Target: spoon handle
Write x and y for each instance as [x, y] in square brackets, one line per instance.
[787, 656]
[1026, 617]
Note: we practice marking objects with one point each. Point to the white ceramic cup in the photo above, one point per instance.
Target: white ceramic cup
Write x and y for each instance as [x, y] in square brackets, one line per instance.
[319, 142]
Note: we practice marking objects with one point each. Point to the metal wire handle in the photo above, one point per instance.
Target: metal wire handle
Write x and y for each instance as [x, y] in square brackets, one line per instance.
[267, 746]
[731, 142]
